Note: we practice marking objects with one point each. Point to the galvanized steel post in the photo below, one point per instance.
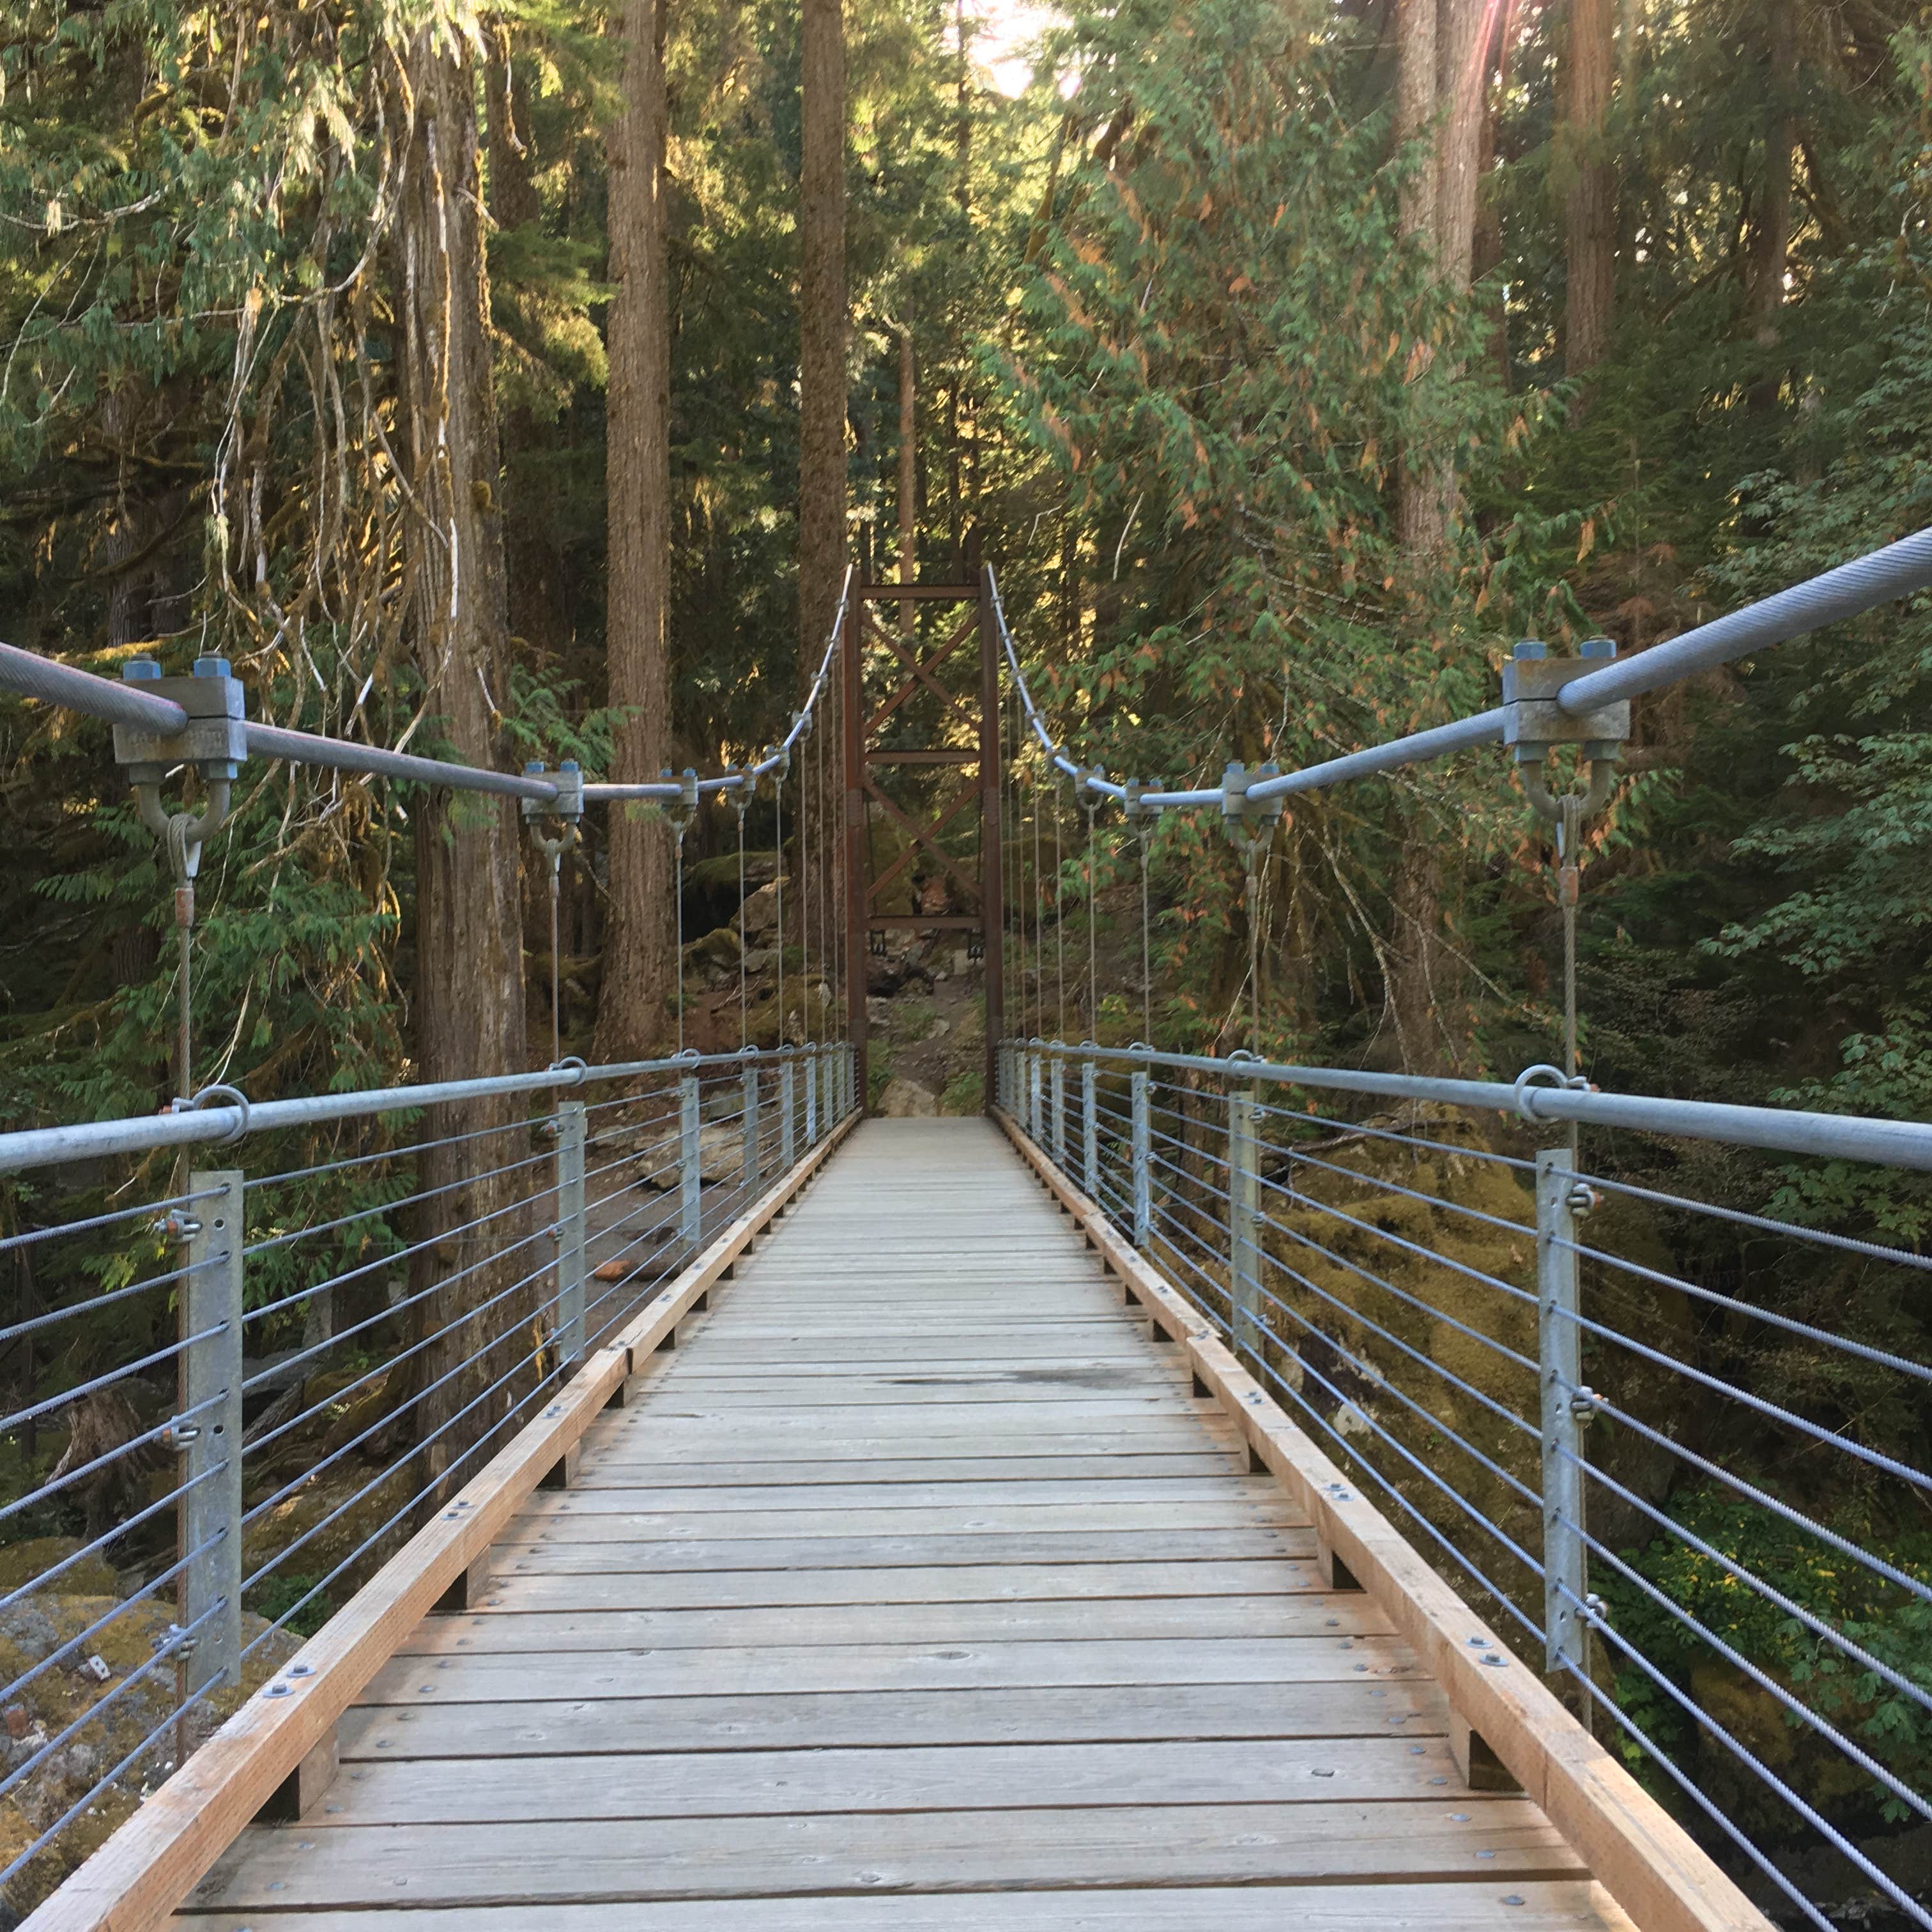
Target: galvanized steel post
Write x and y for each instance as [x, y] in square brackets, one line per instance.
[1090, 1144]
[1034, 1081]
[811, 1060]
[1143, 1151]
[209, 1432]
[1059, 1082]
[690, 1175]
[1244, 1259]
[1566, 1409]
[788, 1117]
[752, 1170]
[572, 1235]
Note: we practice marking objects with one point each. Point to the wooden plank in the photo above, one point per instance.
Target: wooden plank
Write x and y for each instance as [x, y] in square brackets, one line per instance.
[727, 1723]
[1570, 1905]
[582, 1523]
[669, 1473]
[975, 1777]
[1314, 1615]
[931, 1550]
[548, 1589]
[611, 1494]
[136, 1879]
[464, 1672]
[1649, 1863]
[1221, 1843]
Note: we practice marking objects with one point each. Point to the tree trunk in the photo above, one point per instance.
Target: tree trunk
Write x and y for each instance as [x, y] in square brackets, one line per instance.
[822, 326]
[1415, 108]
[822, 329]
[908, 481]
[1770, 242]
[1442, 73]
[1590, 208]
[468, 995]
[638, 943]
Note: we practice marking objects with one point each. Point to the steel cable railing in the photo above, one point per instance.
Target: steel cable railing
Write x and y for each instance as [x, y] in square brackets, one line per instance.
[1532, 1362]
[263, 1386]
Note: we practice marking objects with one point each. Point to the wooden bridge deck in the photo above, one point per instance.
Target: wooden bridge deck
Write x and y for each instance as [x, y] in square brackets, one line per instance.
[917, 1589]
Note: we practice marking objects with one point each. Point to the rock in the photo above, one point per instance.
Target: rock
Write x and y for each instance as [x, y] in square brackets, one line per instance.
[878, 1013]
[760, 959]
[719, 948]
[759, 915]
[906, 1100]
[721, 1157]
[92, 1577]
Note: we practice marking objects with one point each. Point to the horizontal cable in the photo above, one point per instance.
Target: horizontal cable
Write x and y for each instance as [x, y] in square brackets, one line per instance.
[1876, 1458]
[1820, 1237]
[55, 1484]
[1772, 1782]
[81, 1804]
[1384, 1386]
[9, 1423]
[390, 1207]
[1797, 1519]
[118, 1607]
[1305, 1119]
[1401, 1241]
[407, 1151]
[1355, 1458]
[1843, 1344]
[34, 1324]
[382, 1422]
[1408, 1193]
[1696, 1792]
[1496, 1408]
[1402, 1295]
[33, 1237]
[1917, 1694]
[1822, 1726]
[389, 1260]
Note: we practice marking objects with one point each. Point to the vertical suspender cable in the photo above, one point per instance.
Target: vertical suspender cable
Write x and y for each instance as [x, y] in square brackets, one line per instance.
[744, 924]
[1059, 914]
[1144, 831]
[677, 963]
[778, 849]
[1093, 893]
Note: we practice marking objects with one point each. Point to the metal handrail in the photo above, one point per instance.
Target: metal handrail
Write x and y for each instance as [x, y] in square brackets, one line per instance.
[1300, 1315]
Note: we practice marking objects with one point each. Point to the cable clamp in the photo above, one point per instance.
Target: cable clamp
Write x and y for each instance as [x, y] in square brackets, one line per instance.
[1534, 722]
[215, 739]
[219, 1096]
[1583, 1404]
[683, 810]
[1250, 822]
[1139, 813]
[180, 1436]
[570, 1063]
[1543, 1075]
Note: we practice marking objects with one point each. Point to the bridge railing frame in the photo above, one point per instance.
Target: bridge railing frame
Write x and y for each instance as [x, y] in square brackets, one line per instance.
[1207, 1169]
[641, 1176]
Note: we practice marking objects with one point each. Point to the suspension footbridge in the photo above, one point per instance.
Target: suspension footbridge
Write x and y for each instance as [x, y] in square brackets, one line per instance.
[1201, 1491]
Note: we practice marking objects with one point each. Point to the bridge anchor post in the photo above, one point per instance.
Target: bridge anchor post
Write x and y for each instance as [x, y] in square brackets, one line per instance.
[208, 1432]
[1143, 1153]
[571, 1235]
[690, 1176]
[1566, 1410]
[1244, 1253]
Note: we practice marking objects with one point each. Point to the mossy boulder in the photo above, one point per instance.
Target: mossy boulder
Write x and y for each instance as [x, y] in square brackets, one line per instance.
[76, 1725]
